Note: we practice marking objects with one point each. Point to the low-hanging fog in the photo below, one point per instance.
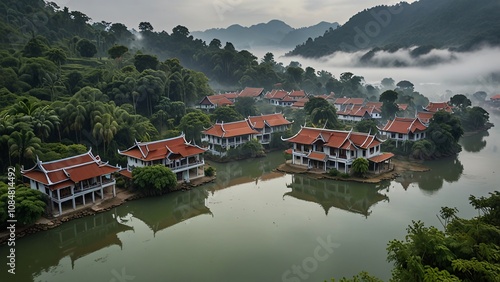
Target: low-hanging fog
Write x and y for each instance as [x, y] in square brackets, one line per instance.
[432, 74]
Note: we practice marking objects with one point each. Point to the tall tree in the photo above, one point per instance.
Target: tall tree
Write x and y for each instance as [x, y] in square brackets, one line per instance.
[245, 106]
[86, 48]
[24, 145]
[105, 128]
[193, 123]
[226, 114]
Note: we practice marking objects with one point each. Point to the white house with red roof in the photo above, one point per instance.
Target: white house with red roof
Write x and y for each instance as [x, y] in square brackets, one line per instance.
[275, 97]
[438, 106]
[404, 129]
[267, 125]
[79, 178]
[358, 113]
[221, 137]
[213, 101]
[183, 158]
[297, 94]
[300, 104]
[341, 103]
[324, 149]
[256, 93]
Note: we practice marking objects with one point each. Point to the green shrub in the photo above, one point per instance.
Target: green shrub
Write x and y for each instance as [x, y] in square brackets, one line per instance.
[210, 171]
[345, 175]
[333, 172]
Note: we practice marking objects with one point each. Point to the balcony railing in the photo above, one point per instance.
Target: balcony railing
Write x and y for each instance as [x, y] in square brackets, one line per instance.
[184, 166]
[85, 189]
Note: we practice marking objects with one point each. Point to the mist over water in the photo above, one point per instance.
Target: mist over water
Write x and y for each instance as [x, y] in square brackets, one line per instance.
[432, 74]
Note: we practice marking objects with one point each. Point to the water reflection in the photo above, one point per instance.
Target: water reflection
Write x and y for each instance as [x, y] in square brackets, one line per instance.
[474, 143]
[245, 171]
[449, 170]
[71, 240]
[166, 211]
[348, 196]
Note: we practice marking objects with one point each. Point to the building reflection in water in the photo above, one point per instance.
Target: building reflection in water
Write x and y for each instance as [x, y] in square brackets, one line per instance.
[166, 211]
[348, 196]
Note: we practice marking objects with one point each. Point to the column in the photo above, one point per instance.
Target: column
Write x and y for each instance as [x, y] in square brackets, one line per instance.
[114, 191]
[59, 199]
[73, 196]
[93, 197]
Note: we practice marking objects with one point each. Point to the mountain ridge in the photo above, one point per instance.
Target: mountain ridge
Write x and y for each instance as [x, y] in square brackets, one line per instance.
[460, 25]
[273, 33]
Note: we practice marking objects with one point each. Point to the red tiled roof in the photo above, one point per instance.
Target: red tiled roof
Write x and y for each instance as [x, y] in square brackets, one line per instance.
[404, 125]
[297, 93]
[348, 101]
[289, 151]
[126, 173]
[300, 103]
[403, 107]
[230, 95]
[425, 116]
[377, 105]
[334, 138]
[357, 111]
[271, 120]
[382, 157]
[288, 99]
[231, 129]
[56, 174]
[496, 97]
[317, 156]
[80, 173]
[220, 100]
[437, 106]
[156, 150]
[76, 160]
[61, 185]
[277, 94]
[251, 92]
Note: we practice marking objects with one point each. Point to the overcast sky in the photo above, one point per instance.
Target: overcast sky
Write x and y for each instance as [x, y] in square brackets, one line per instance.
[204, 14]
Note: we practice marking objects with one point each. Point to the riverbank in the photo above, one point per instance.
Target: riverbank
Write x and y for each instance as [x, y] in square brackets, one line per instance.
[399, 166]
[122, 195]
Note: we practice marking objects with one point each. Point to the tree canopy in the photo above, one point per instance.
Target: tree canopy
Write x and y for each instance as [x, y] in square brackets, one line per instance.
[154, 180]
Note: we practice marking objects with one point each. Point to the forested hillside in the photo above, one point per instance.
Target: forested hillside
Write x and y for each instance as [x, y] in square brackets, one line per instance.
[67, 84]
[460, 25]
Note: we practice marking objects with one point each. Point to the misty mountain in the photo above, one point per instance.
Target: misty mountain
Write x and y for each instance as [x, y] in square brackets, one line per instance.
[274, 33]
[461, 25]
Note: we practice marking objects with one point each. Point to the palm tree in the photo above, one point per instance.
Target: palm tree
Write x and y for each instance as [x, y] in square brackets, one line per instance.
[324, 116]
[24, 107]
[52, 80]
[105, 128]
[23, 145]
[360, 166]
[44, 120]
[76, 116]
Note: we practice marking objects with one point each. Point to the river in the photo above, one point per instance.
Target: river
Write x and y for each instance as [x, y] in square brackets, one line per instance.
[253, 224]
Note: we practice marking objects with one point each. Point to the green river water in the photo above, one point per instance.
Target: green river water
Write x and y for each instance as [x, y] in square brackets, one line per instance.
[253, 224]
